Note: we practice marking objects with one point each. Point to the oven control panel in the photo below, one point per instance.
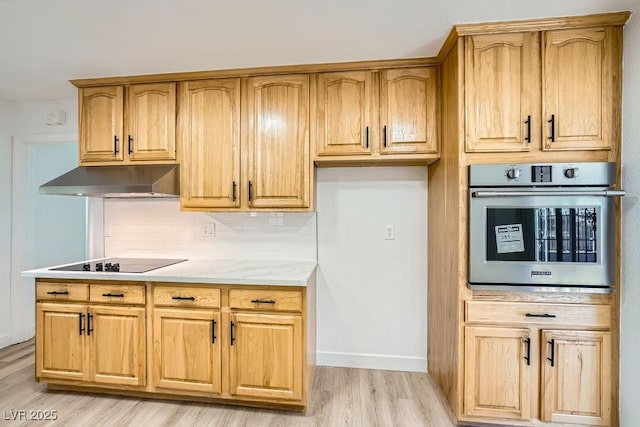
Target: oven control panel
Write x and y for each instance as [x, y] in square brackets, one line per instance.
[545, 174]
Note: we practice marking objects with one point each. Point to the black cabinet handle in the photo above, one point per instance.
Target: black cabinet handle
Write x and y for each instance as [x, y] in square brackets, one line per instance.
[115, 145]
[528, 123]
[213, 332]
[184, 298]
[250, 191]
[233, 191]
[113, 295]
[384, 135]
[89, 328]
[232, 337]
[545, 315]
[366, 137]
[527, 357]
[553, 352]
[80, 323]
[130, 144]
[260, 301]
[553, 128]
[58, 293]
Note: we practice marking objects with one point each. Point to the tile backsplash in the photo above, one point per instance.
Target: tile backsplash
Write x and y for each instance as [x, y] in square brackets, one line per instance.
[157, 228]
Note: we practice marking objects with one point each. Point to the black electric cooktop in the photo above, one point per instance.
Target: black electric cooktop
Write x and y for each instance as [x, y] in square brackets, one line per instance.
[121, 265]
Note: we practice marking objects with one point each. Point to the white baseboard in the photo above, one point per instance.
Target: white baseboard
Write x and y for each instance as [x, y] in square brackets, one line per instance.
[5, 340]
[372, 361]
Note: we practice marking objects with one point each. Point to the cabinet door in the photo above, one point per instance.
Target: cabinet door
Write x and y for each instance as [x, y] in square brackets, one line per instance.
[502, 94]
[101, 111]
[408, 111]
[187, 349]
[346, 113]
[576, 374]
[277, 141]
[209, 140]
[577, 89]
[60, 341]
[116, 338]
[266, 356]
[151, 121]
[499, 372]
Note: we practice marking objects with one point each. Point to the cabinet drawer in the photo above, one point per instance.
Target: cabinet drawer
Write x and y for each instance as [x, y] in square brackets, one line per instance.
[255, 299]
[62, 291]
[117, 294]
[184, 296]
[595, 316]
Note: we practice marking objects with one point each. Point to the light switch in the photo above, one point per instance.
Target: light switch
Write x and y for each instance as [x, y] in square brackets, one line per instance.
[389, 232]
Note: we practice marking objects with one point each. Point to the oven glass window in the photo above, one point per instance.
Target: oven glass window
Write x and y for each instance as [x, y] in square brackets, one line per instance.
[542, 234]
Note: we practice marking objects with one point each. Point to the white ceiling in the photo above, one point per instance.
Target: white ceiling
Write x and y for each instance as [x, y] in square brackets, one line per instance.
[45, 43]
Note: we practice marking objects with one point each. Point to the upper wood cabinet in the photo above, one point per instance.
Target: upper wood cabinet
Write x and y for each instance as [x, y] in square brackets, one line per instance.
[577, 88]
[553, 90]
[346, 117]
[408, 111]
[501, 92]
[369, 113]
[276, 141]
[142, 129]
[101, 116]
[209, 141]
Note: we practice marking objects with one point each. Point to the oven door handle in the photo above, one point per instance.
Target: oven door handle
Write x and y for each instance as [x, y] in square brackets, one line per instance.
[601, 193]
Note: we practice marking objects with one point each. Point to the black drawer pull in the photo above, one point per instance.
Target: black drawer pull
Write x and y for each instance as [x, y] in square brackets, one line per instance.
[184, 298]
[80, 323]
[113, 295]
[527, 357]
[553, 351]
[553, 128]
[261, 301]
[58, 293]
[545, 315]
[528, 123]
[213, 331]
[232, 337]
[89, 328]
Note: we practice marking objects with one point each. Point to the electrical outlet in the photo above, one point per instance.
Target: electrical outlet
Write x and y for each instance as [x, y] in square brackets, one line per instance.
[209, 230]
[389, 232]
[107, 231]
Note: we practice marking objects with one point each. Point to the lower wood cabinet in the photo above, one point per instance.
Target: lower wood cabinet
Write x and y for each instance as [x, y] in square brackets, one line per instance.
[266, 355]
[187, 349]
[91, 343]
[551, 368]
[251, 344]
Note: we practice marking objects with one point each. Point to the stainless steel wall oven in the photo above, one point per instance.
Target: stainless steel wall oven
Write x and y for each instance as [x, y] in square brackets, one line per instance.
[542, 225]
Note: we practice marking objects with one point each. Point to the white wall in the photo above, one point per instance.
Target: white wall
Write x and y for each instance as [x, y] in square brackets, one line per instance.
[372, 293]
[157, 228]
[5, 222]
[630, 289]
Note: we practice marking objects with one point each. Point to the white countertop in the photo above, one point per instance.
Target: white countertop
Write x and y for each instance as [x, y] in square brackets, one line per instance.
[219, 271]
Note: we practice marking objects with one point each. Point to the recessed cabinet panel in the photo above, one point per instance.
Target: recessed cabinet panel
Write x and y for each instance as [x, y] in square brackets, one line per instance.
[277, 141]
[345, 114]
[151, 133]
[101, 136]
[577, 89]
[577, 377]
[497, 375]
[209, 139]
[60, 341]
[500, 80]
[187, 350]
[266, 358]
[408, 110]
[117, 345]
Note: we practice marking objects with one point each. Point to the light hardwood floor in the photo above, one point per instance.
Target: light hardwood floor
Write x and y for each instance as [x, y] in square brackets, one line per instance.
[340, 397]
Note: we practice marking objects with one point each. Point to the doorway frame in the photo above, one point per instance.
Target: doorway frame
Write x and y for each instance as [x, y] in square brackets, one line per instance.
[22, 323]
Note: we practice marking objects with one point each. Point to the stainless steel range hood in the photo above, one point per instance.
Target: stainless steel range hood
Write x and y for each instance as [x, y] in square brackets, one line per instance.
[117, 182]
